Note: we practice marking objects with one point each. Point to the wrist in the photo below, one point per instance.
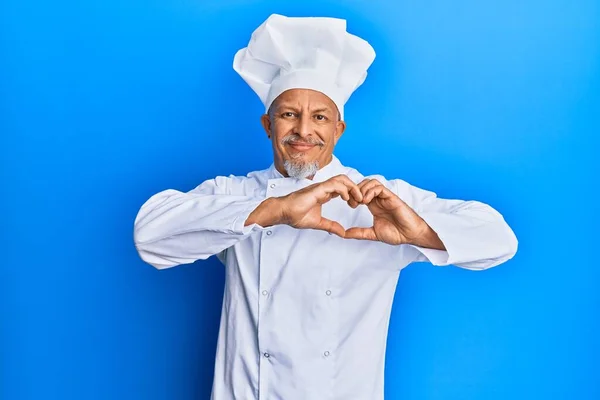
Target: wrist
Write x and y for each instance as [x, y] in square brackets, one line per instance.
[428, 238]
[268, 213]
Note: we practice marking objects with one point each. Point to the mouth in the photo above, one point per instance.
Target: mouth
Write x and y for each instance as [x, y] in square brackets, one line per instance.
[301, 146]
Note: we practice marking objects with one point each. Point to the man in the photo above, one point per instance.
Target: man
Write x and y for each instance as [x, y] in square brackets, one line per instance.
[312, 248]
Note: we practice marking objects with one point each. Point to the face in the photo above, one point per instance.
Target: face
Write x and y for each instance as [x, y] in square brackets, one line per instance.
[304, 127]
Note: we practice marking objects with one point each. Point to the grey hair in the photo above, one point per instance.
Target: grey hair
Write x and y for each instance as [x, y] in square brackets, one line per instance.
[301, 170]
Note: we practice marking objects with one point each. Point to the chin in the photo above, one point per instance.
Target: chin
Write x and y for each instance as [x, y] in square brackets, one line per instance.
[300, 168]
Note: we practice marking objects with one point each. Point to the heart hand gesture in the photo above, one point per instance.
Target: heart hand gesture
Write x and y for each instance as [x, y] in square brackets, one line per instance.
[394, 222]
[302, 209]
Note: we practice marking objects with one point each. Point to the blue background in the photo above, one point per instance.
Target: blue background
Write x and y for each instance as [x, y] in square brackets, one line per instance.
[104, 103]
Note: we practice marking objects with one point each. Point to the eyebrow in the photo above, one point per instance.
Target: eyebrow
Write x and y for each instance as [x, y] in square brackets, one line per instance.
[290, 107]
[286, 107]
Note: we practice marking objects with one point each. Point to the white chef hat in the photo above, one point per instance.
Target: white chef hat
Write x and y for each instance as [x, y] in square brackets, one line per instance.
[304, 53]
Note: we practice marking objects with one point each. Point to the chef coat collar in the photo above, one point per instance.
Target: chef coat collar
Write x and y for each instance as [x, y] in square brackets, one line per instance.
[334, 167]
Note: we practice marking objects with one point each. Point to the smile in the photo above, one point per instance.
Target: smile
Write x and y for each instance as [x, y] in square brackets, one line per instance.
[302, 146]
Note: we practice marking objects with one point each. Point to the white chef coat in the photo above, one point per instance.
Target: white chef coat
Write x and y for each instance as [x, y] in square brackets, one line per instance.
[305, 314]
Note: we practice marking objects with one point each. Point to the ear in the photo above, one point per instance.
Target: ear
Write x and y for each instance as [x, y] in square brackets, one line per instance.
[340, 127]
[266, 124]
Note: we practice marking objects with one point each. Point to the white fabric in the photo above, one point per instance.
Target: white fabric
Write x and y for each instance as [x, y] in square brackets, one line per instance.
[304, 52]
[305, 314]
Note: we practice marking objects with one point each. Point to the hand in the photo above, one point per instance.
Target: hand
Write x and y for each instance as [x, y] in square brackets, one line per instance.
[302, 209]
[394, 222]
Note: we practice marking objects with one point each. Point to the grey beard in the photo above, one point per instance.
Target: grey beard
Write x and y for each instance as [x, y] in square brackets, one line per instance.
[301, 170]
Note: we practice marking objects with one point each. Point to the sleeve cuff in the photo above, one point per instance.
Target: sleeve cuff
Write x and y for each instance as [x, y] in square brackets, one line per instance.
[434, 256]
[445, 226]
[238, 227]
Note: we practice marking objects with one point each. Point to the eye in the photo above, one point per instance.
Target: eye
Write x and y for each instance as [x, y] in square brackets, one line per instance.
[288, 114]
[320, 117]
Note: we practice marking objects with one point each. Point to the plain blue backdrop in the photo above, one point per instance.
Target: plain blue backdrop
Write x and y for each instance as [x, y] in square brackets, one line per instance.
[104, 103]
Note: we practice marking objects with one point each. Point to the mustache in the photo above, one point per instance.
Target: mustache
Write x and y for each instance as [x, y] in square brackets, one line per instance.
[295, 138]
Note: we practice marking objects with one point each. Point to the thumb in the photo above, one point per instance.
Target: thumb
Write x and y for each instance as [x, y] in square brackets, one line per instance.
[331, 227]
[361, 233]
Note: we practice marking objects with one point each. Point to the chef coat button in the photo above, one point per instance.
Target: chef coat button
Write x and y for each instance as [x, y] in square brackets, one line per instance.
[272, 185]
[328, 292]
[267, 355]
[326, 354]
[269, 233]
[265, 292]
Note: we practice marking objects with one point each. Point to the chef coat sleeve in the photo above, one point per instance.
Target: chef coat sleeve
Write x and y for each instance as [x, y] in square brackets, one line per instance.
[174, 227]
[475, 235]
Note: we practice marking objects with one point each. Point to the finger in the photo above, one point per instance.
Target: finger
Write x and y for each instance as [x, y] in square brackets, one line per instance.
[363, 183]
[366, 184]
[332, 188]
[355, 191]
[373, 192]
[353, 188]
[342, 189]
[353, 203]
[367, 187]
[381, 192]
[376, 189]
[343, 183]
[331, 226]
[361, 234]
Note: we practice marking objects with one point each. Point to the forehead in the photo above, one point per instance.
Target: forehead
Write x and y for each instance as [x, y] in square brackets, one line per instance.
[305, 98]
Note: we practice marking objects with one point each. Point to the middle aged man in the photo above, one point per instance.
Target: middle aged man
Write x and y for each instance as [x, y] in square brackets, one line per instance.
[306, 305]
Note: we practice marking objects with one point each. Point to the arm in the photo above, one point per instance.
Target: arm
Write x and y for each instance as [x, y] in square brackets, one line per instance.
[475, 236]
[173, 227]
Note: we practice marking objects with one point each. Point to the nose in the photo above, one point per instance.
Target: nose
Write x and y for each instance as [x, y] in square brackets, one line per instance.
[304, 126]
